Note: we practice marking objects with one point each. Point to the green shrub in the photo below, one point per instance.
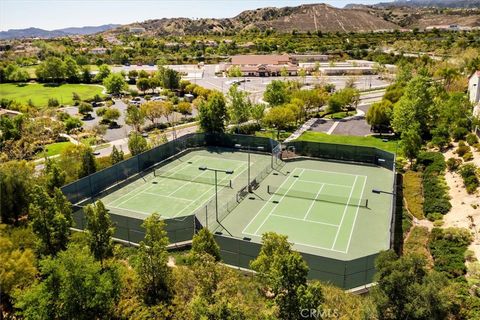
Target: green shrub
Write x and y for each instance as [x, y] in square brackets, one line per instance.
[438, 223]
[448, 247]
[435, 191]
[434, 216]
[472, 139]
[453, 164]
[459, 133]
[468, 172]
[468, 157]
[462, 150]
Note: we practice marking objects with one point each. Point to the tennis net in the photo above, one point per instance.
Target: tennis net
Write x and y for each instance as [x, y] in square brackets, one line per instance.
[221, 181]
[317, 197]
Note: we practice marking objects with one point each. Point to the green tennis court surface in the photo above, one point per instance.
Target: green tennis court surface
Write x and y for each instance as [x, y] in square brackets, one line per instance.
[311, 222]
[323, 207]
[180, 188]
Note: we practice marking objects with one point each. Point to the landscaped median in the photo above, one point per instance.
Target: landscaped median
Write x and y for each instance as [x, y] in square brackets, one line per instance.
[382, 143]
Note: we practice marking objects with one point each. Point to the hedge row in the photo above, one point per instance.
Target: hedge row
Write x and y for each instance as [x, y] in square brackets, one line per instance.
[448, 247]
[435, 190]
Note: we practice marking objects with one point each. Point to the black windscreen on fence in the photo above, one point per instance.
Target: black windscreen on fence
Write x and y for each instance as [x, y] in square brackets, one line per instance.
[341, 152]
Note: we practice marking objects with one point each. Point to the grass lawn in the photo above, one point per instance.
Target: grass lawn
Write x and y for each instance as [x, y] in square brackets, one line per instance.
[54, 149]
[40, 93]
[369, 141]
[339, 115]
[31, 70]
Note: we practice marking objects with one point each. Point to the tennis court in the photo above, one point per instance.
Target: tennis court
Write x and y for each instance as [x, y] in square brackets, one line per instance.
[325, 208]
[316, 208]
[177, 189]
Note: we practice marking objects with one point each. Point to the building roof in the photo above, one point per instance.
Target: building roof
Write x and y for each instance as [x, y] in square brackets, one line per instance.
[260, 59]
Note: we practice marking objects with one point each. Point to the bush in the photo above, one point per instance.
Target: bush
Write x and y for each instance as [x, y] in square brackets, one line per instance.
[249, 128]
[469, 176]
[468, 157]
[453, 164]
[472, 139]
[53, 103]
[459, 133]
[448, 247]
[462, 150]
[435, 190]
[435, 216]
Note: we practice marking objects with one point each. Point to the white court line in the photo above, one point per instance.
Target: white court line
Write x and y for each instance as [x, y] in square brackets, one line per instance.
[233, 160]
[303, 244]
[313, 202]
[199, 197]
[143, 185]
[334, 172]
[266, 202]
[160, 195]
[325, 183]
[345, 211]
[273, 208]
[309, 221]
[356, 214]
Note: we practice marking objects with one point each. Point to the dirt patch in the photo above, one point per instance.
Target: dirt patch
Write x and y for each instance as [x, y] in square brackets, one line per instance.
[465, 207]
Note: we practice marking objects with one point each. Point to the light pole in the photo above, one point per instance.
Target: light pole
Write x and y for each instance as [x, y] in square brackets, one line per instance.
[239, 146]
[216, 185]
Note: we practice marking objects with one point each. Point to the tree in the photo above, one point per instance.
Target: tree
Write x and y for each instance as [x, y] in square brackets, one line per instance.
[407, 290]
[115, 83]
[111, 115]
[88, 164]
[116, 156]
[73, 286]
[184, 108]
[18, 75]
[99, 229]
[53, 103]
[135, 117]
[84, 109]
[16, 180]
[280, 118]
[411, 142]
[143, 84]
[71, 69]
[283, 273]
[414, 106]
[276, 93]
[18, 264]
[103, 72]
[137, 144]
[51, 219]
[234, 72]
[302, 73]
[52, 69]
[155, 277]
[213, 113]
[257, 112]
[55, 177]
[72, 123]
[380, 114]
[152, 110]
[168, 78]
[204, 243]
[239, 106]
[86, 75]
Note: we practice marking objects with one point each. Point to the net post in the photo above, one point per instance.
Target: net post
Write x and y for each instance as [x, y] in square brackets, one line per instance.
[366, 203]
[268, 189]
[230, 184]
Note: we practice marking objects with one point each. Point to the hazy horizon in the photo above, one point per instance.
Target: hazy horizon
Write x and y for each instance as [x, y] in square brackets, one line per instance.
[21, 14]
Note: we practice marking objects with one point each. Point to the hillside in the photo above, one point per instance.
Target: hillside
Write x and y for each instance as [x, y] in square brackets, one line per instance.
[316, 17]
[41, 33]
[411, 17]
[432, 3]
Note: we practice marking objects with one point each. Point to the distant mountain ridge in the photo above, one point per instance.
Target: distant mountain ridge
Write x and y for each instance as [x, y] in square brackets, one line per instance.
[303, 18]
[41, 33]
[432, 3]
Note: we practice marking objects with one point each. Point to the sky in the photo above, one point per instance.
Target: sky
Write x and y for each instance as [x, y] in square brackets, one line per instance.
[55, 14]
